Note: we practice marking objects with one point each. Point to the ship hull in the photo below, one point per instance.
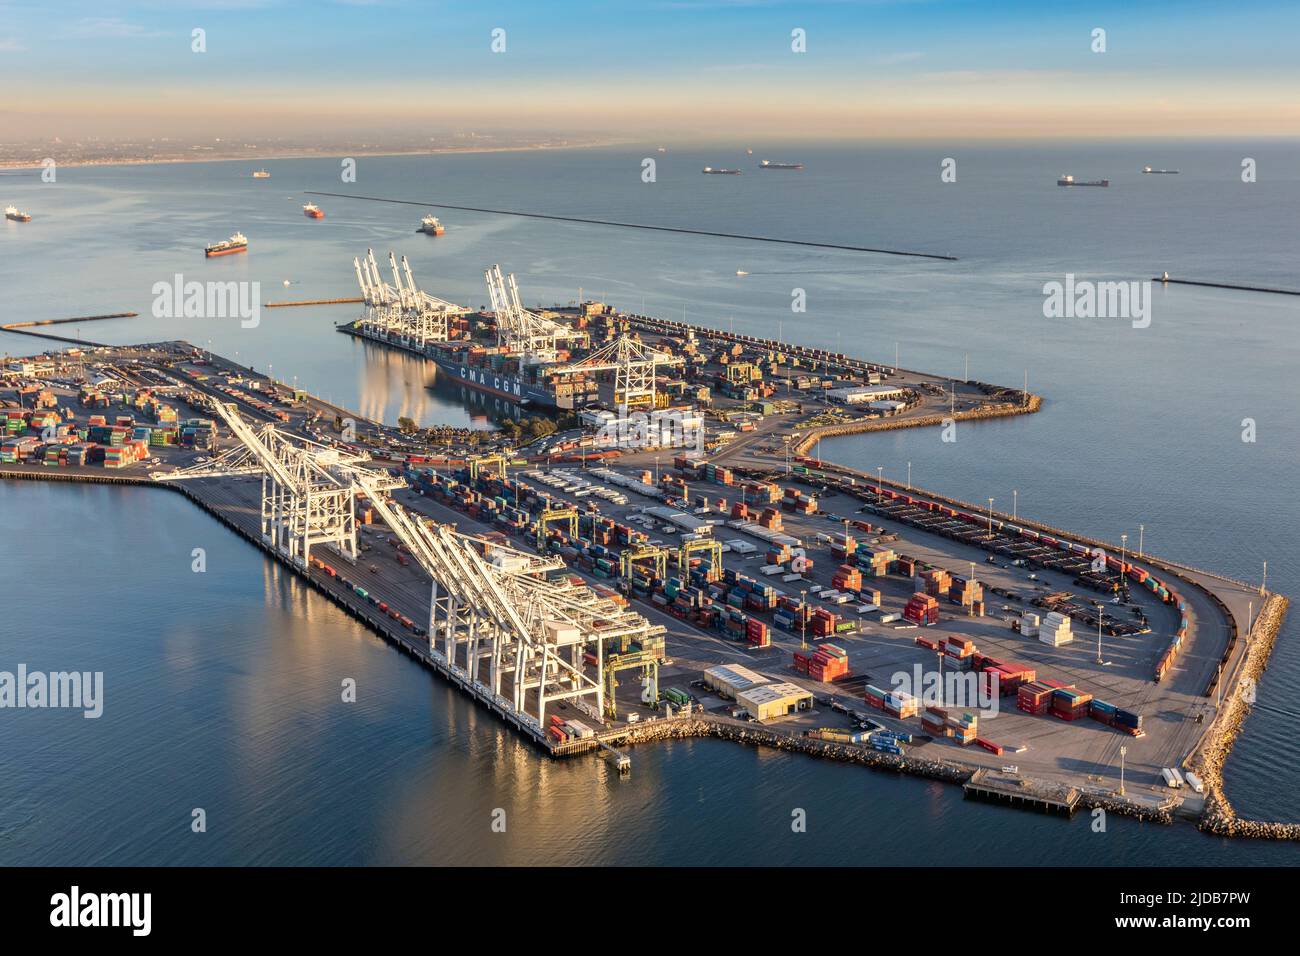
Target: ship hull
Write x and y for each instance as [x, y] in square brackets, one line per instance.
[314, 215]
[19, 218]
[213, 253]
[509, 387]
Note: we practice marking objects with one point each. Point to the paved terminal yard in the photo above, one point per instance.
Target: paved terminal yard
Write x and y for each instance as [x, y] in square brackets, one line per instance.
[1081, 753]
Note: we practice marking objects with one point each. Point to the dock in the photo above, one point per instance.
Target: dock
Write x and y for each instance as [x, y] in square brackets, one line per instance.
[1010, 789]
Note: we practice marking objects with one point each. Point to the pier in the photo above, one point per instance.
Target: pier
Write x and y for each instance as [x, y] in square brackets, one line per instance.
[1008, 788]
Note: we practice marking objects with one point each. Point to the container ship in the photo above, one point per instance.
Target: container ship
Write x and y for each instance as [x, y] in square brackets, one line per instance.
[236, 243]
[1071, 181]
[12, 212]
[261, 174]
[719, 171]
[768, 164]
[430, 226]
[312, 211]
[1160, 172]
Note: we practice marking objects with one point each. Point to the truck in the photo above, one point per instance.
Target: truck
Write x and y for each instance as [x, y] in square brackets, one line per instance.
[1194, 782]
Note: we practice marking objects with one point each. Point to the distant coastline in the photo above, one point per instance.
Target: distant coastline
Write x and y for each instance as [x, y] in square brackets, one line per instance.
[333, 153]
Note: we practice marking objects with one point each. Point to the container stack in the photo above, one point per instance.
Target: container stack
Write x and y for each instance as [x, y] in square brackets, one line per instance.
[922, 609]
[875, 697]
[875, 561]
[770, 519]
[1069, 703]
[958, 652]
[901, 705]
[847, 578]
[1034, 697]
[934, 581]
[934, 721]
[757, 634]
[824, 622]
[965, 591]
[965, 727]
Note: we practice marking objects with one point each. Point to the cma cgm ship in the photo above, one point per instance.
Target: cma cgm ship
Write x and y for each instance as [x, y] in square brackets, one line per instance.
[512, 383]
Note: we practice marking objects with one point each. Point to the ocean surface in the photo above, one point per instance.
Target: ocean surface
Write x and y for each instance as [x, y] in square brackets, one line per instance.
[223, 688]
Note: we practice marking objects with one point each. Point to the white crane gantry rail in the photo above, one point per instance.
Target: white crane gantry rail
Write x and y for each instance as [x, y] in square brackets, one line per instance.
[401, 310]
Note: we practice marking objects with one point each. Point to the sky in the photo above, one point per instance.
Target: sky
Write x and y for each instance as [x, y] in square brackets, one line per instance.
[907, 69]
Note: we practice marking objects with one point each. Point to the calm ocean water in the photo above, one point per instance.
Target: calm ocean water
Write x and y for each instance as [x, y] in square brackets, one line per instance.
[223, 688]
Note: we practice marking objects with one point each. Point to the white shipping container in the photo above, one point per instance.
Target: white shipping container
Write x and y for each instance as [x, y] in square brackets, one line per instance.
[771, 569]
[889, 618]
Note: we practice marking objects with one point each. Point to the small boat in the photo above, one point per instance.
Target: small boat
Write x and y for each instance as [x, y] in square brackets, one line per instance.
[768, 164]
[261, 174]
[312, 211]
[1159, 172]
[719, 171]
[741, 272]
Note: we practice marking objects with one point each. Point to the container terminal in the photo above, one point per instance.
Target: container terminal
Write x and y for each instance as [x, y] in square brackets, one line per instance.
[745, 590]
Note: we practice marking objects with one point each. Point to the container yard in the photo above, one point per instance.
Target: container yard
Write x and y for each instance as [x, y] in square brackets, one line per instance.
[691, 591]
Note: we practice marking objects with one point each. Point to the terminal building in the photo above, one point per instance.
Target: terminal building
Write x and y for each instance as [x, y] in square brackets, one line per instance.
[861, 395]
[769, 701]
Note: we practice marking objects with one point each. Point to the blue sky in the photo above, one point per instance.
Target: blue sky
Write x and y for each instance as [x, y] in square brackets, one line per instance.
[645, 67]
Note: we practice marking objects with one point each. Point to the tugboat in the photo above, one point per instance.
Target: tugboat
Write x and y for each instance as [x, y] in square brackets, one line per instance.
[236, 243]
[720, 171]
[13, 213]
[430, 226]
[1159, 172]
[261, 174]
[312, 211]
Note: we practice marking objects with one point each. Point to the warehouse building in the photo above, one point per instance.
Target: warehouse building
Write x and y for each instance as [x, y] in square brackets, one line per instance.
[769, 701]
[730, 680]
[859, 395]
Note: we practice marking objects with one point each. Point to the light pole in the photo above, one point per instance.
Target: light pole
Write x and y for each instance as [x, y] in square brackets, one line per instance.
[1015, 503]
[1123, 752]
[803, 619]
[909, 476]
[880, 479]
[1264, 583]
[1099, 615]
[656, 471]
[990, 518]
[1123, 566]
[1141, 531]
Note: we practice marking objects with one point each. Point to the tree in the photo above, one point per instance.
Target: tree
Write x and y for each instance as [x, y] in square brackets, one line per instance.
[407, 426]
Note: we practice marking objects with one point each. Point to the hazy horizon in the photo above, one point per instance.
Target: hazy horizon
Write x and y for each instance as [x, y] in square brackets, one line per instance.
[651, 70]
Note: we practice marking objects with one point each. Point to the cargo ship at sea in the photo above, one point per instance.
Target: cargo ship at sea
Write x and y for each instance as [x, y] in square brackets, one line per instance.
[1159, 172]
[430, 226]
[14, 214]
[1068, 180]
[312, 211]
[719, 171]
[236, 243]
[768, 164]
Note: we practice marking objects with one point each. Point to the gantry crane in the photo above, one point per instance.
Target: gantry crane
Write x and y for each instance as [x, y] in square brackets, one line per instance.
[634, 365]
[710, 546]
[304, 502]
[495, 464]
[636, 554]
[401, 310]
[535, 338]
[550, 516]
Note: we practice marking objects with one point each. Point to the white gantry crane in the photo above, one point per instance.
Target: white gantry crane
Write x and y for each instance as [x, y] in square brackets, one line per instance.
[497, 621]
[401, 311]
[634, 365]
[304, 502]
[535, 338]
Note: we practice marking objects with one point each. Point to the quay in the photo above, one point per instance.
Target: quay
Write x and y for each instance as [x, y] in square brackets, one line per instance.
[1009, 788]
